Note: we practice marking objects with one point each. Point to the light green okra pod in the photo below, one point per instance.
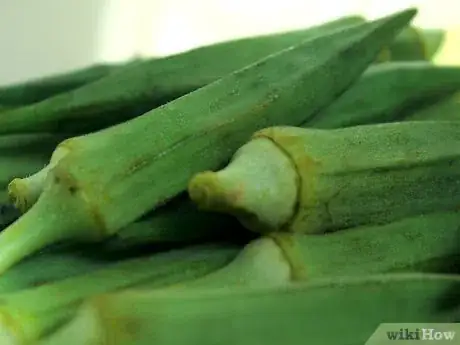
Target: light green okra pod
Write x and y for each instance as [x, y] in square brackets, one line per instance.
[331, 312]
[110, 178]
[29, 314]
[315, 181]
[425, 243]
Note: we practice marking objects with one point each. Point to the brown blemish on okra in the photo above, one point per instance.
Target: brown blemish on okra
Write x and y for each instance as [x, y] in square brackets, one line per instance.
[136, 165]
[62, 178]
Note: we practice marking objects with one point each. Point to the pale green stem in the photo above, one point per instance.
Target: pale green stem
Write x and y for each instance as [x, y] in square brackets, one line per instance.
[259, 186]
[24, 192]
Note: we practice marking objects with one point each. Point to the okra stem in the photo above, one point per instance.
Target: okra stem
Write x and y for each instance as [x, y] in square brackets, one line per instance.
[260, 178]
[24, 192]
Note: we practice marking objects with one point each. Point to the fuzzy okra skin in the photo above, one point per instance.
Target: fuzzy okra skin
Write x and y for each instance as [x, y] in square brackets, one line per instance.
[314, 180]
[329, 312]
[110, 178]
[27, 315]
[421, 243]
[385, 92]
[136, 90]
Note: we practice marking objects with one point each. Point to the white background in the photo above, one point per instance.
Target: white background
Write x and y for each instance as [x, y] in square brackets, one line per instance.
[40, 37]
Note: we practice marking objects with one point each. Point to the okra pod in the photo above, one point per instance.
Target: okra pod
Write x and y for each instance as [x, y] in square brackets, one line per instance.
[382, 94]
[178, 222]
[36, 90]
[445, 108]
[47, 267]
[331, 312]
[421, 243]
[110, 178]
[29, 314]
[416, 44]
[137, 89]
[314, 181]
[386, 92]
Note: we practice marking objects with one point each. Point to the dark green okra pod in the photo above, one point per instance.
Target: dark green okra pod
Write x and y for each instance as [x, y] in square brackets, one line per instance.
[386, 92]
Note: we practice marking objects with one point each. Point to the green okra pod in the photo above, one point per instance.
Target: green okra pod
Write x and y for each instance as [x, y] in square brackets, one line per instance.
[137, 89]
[382, 94]
[110, 178]
[178, 222]
[386, 92]
[421, 243]
[29, 314]
[315, 180]
[442, 108]
[36, 90]
[414, 44]
[331, 312]
[47, 267]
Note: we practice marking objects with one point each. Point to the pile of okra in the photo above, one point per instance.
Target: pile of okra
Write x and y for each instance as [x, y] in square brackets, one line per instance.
[294, 188]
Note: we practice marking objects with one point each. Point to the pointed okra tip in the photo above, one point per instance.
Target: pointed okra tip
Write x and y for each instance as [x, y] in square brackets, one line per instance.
[259, 187]
[433, 40]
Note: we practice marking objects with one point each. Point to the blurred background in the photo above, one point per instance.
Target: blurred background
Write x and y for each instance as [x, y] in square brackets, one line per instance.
[43, 37]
